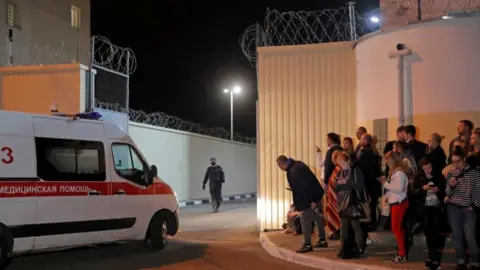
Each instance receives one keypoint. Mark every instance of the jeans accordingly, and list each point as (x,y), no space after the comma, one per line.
(216,194)
(307,218)
(357,231)
(463,223)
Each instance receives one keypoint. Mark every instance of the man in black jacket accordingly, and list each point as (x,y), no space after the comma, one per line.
(216,176)
(333,143)
(417,148)
(307,197)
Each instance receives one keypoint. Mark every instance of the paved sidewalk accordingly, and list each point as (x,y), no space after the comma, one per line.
(377,255)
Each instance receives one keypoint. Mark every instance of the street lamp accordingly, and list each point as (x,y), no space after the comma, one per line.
(235,90)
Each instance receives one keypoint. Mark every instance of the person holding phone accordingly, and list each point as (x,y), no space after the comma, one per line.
(463,195)
(396,186)
(428,190)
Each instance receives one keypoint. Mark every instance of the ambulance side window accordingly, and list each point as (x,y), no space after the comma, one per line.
(70,160)
(129,164)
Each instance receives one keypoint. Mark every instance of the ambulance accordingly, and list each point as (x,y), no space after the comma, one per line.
(67,181)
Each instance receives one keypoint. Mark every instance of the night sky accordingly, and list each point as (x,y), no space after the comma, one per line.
(188,52)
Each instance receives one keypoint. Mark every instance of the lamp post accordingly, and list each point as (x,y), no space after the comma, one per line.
(235,90)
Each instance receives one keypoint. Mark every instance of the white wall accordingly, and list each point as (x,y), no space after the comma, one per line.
(182,159)
(442,74)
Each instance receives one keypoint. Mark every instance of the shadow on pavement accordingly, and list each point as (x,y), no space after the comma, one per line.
(119,256)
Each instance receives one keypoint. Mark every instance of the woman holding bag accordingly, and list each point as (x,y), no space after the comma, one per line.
(349,183)
(397,186)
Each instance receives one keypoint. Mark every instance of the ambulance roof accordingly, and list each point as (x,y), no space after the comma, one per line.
(19,123)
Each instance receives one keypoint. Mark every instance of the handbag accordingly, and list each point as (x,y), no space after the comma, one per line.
(351,209)
(364,201)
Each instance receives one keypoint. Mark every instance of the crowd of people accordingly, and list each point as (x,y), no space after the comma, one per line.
(421,189)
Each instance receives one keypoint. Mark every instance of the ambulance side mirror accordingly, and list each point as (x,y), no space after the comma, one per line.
(153,174)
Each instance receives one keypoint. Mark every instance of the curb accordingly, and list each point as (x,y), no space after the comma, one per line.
(225,199)
(313,261)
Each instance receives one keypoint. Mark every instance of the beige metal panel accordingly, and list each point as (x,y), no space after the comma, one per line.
(33,88)
(304,93)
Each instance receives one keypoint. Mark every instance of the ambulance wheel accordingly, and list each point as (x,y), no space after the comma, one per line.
(158,230)
(6,247)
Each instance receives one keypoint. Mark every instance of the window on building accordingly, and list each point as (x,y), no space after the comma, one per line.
(76,17)
(70,160)
(380,131)
(11,14)
(129,164)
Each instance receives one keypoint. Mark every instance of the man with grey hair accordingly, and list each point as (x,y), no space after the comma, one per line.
(216,177)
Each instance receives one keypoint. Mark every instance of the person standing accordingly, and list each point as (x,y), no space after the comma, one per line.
(396,185)
(333,143)
(359,133)
(416,147)
(216,177)
(464,129)
(307,199)
(463,195)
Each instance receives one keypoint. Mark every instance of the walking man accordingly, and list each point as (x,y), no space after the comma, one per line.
(216,176)
(307,197)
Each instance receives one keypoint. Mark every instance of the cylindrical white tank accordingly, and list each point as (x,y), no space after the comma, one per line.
(441,76)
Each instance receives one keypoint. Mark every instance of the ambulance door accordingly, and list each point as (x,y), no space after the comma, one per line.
(133,197)
(73,196)
(18,181)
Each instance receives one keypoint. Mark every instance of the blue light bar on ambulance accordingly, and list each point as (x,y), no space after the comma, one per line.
(84,115)
(89,115)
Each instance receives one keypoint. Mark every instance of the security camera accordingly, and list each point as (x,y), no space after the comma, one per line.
(402,50)
(401,47)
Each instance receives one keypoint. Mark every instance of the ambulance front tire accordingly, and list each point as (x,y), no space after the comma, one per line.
(6,247)
(158,231)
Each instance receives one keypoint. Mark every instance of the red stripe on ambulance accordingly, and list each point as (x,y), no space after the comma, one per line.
(54,189)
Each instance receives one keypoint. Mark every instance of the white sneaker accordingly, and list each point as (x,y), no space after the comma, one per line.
(369,241)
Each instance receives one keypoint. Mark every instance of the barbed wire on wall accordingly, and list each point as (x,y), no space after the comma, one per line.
(304,27)
(105,54)
(161,119)
(112,57)
(333,25)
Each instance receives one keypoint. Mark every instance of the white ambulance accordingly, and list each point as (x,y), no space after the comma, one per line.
(67,183)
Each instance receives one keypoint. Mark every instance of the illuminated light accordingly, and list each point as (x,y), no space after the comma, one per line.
(374,19)
(237,89)
(226,91)
(447,17)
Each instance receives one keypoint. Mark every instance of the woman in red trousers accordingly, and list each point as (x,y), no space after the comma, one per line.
(396,187)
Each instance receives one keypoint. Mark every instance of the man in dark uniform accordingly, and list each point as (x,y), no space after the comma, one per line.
(216,176)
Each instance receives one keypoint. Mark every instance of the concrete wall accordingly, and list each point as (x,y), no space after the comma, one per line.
(43,32)
(304,93)
(182,159)
(441,76)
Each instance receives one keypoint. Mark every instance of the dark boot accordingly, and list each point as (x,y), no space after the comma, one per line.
(305,248)
(322,243)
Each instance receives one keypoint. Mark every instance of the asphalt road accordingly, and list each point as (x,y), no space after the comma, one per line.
(207,241)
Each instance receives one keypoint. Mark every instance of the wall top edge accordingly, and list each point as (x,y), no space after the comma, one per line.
(324,47)
(40,67)
(415,25)
(189,134)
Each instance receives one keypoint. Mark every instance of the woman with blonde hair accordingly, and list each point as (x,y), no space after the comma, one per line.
(396,186)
